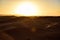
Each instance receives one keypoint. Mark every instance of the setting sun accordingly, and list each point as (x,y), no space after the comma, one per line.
(26,9)
(29,8)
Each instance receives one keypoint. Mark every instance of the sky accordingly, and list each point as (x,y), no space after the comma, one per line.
(46,7)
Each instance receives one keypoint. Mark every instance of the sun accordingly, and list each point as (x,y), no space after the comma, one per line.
(26,9)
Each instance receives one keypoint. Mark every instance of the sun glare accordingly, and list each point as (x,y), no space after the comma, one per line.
(26,9)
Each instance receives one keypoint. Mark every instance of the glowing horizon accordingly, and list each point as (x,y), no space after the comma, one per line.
(39,7)
(26,9)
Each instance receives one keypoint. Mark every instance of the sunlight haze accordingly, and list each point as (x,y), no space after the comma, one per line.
(30,7)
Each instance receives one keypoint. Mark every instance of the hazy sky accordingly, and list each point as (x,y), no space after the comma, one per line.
(48,7)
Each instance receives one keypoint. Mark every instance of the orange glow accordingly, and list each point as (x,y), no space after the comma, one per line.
(31,8)
(26,9)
